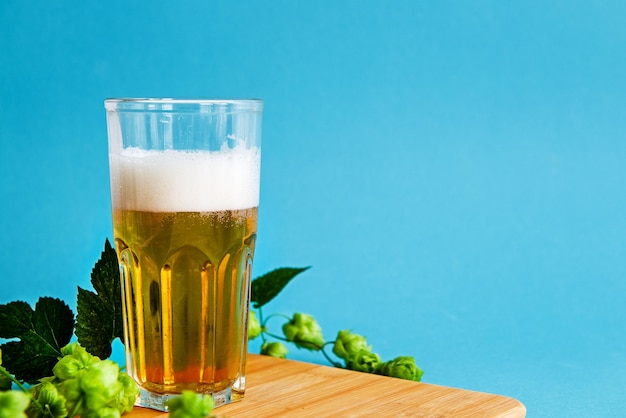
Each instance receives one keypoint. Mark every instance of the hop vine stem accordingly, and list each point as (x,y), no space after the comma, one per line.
(330,360)
(22,388)
(272,316)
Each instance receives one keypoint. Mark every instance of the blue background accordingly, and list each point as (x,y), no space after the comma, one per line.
(452,170)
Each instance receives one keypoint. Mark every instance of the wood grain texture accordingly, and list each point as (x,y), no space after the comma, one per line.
(287,388)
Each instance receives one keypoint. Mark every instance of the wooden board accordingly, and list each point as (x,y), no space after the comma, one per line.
(287,388)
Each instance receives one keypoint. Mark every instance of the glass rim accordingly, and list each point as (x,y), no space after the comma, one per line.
(161,104)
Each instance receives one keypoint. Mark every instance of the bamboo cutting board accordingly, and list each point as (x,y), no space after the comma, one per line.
(287,388)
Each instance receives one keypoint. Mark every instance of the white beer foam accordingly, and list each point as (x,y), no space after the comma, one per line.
(185,181)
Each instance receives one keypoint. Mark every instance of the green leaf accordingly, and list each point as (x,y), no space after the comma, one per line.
(266,287)
(99,319)
(41,333)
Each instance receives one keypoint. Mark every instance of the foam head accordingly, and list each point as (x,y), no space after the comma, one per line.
(185,181)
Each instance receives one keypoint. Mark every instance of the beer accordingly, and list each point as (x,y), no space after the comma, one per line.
(185,227)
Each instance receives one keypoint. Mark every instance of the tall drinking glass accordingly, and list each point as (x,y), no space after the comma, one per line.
(185,194)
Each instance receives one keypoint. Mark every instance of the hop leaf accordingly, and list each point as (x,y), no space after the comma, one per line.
(99,319)
(304,332)
(274,349)
(254,326)
(266,287)
(190,405)
(42,333)
(403,367)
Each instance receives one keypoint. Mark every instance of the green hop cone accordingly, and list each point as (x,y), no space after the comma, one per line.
(95,387)
(75,358)
(13,404)
(127,396)
(100,386)
(274,349)
(70,389)
(72,348)
(403,367)
(48,396)
(254,326)
(304,332)
(67,368)
(364,361)
(347,345)
(190,405)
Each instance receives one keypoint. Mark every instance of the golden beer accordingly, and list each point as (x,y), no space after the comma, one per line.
(186,279)
(185,227)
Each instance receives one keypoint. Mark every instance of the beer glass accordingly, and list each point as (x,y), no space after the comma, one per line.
(185,193)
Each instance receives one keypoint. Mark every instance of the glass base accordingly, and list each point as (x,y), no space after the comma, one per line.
(157,401)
